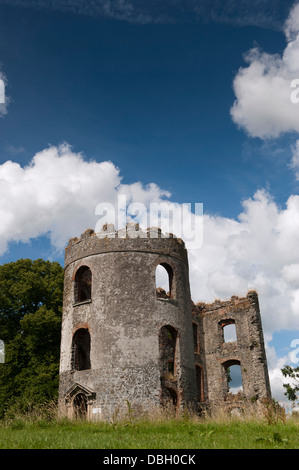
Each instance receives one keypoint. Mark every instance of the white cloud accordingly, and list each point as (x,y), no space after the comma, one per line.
(292,23)
(277,380)
(263,106)
(57,194)
(256,252)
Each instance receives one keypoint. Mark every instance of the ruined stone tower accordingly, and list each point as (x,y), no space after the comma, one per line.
(122,343)
(125,343)
(215,354)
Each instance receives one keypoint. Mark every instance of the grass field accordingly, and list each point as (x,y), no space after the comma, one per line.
(149,434)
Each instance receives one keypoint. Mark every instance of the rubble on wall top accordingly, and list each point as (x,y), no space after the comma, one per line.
(251,295)
(132,230)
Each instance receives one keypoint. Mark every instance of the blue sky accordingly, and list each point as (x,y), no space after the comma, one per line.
(151,88)
(154,99)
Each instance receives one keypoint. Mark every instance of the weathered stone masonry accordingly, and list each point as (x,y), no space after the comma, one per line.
(124,342)
(215,355)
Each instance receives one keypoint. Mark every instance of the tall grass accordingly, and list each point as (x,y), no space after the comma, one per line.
(39,427)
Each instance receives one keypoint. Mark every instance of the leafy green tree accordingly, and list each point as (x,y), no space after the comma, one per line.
(30,321)
(291,390)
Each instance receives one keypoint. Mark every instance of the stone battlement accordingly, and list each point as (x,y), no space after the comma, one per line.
(132,230)
(131,238)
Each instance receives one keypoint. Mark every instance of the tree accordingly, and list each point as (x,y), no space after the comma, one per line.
(30,321)
(291,390)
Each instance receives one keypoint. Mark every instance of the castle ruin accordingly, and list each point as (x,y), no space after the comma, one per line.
(126,343)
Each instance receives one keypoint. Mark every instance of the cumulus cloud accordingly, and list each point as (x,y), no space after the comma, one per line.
(257,251)
(277,380)
(263,105)
(57,193)
(292,24)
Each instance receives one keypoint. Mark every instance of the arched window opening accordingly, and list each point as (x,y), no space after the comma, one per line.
(2,352)
(228,331)
(164,281)
(83,284)
(81,350)
(234,377)
(167,352)
(195,337)
(199,383)
(80,406)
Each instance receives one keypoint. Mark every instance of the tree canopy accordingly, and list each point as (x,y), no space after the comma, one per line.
(292,390)
(31,294)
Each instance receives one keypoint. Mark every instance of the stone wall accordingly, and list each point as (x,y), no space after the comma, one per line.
(248,351)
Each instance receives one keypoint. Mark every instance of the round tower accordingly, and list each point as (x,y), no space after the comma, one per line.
(125,343)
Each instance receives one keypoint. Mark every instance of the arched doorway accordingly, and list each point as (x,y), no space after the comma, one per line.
(80,402)
(80,406)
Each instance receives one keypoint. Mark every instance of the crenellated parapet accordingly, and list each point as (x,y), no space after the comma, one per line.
(130,238)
